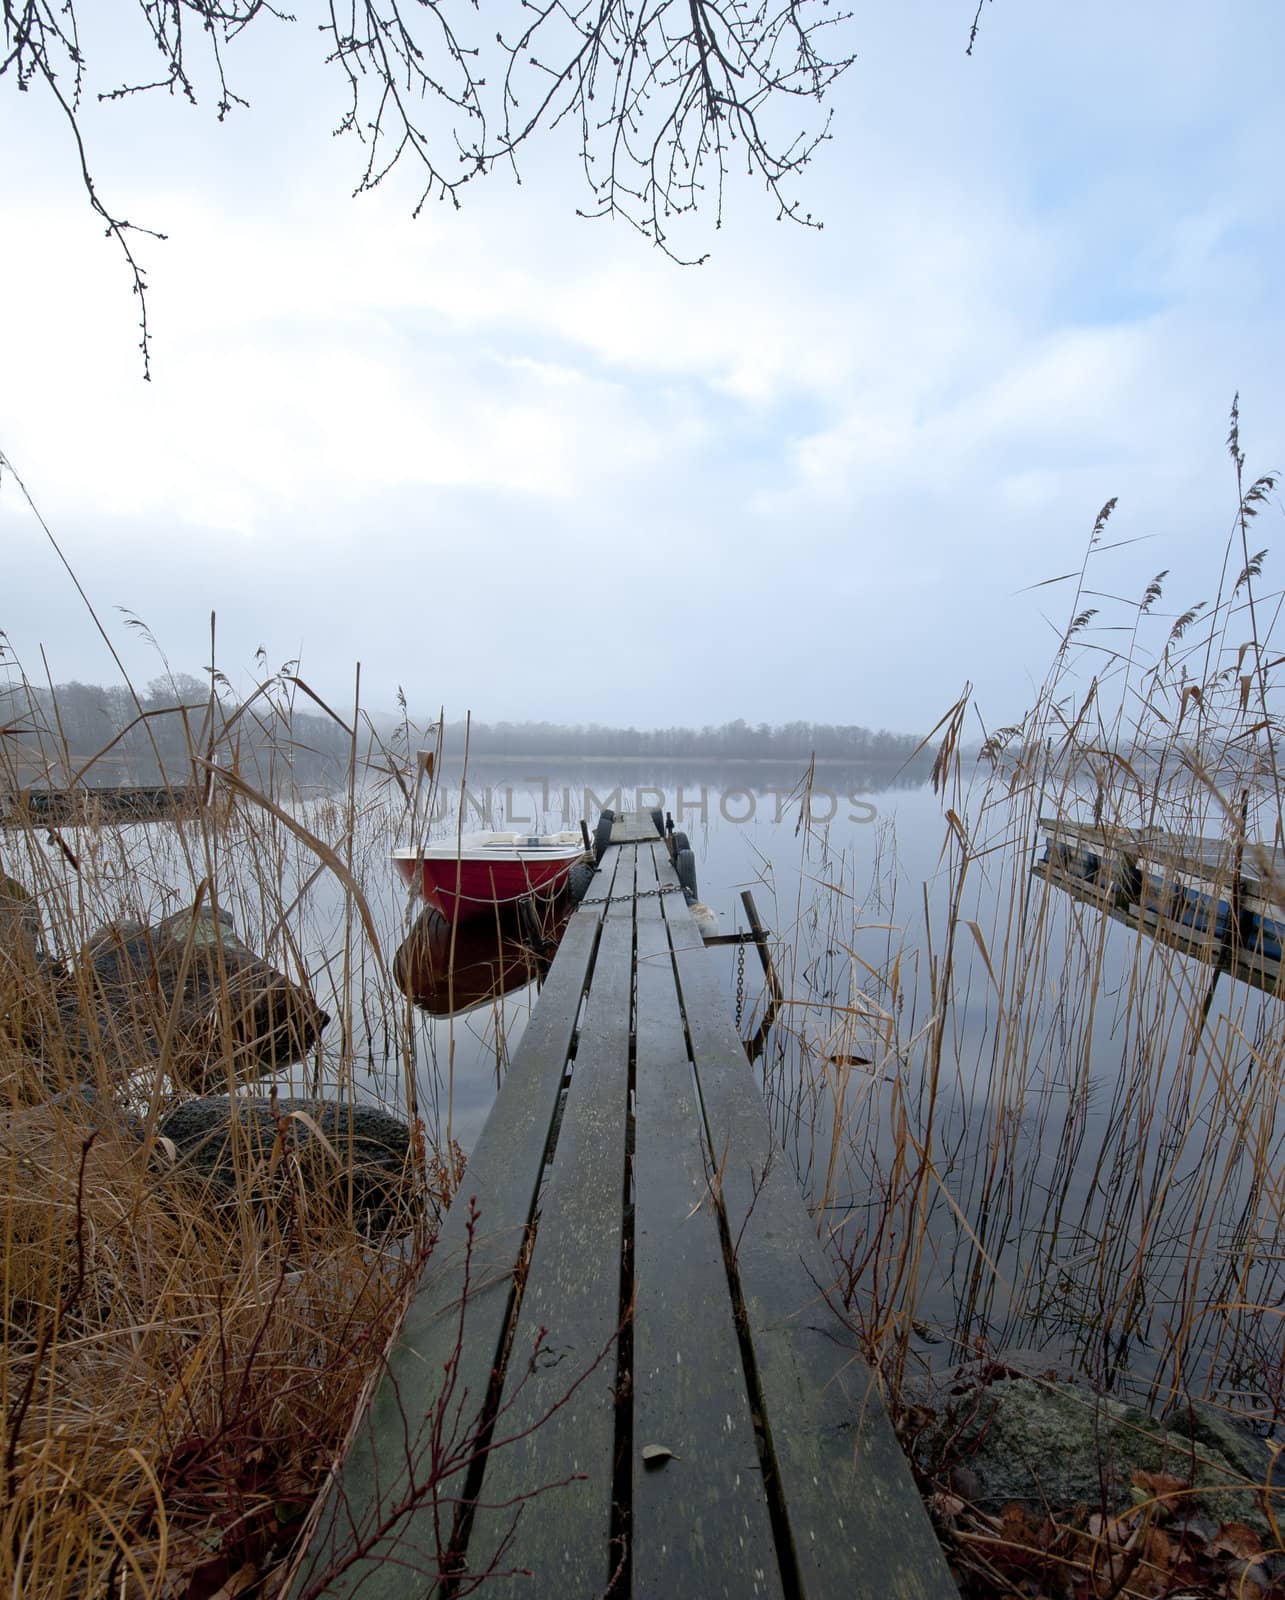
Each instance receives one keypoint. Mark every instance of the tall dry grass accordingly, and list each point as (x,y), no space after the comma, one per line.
(1019,1122)
(179,1361)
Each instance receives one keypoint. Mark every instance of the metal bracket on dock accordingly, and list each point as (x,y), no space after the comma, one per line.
(758,936)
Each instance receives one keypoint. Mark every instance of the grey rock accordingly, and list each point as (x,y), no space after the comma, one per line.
(190,990)
(100,1108)
(1051,1446)
(1214,1429)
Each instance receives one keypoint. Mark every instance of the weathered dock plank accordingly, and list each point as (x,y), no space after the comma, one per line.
(701,1524)
(549,1491)
(634,827)
(856,1523)
(378,1528)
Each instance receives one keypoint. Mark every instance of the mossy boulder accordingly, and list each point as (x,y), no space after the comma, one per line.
(187,991)
(1056,1447)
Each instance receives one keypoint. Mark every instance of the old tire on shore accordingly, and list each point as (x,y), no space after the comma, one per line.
(374,1151)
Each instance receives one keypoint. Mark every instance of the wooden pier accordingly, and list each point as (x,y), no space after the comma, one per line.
(39,807)
(621,1367)
(1137,876)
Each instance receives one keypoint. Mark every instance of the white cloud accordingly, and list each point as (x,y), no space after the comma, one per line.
(1034,289)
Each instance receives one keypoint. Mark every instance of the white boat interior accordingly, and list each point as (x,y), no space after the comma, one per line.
(508,845)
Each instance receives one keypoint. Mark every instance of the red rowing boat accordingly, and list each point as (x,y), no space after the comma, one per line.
(469,876)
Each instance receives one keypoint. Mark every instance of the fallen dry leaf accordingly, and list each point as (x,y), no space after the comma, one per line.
(1162,1551)
(1160,1485)
(1235,1539)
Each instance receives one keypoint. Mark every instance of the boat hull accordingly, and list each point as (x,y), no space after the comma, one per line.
(462,888)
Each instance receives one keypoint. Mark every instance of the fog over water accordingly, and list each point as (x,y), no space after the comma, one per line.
(863,886)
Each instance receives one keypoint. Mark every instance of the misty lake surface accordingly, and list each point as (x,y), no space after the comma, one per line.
(1055,1162)
(1022,1202)
(744,824)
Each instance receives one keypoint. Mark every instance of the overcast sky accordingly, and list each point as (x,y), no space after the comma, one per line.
(520,463)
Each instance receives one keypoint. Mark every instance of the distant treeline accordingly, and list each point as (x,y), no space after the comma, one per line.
(729,741)
(281,736)
(273,740)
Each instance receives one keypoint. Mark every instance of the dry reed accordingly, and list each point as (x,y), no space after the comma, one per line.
(1018,1121)
(179,1361)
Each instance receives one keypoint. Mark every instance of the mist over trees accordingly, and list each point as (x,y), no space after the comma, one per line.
(107,736)
(110,736)
(729,741)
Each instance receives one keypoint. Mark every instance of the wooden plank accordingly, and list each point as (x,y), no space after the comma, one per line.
(1116,835)
(1181,852)
(573,1292)
(634,827)
(1260,971)
(1104,897)
(857,1524)
(459,1315)
(701,1524)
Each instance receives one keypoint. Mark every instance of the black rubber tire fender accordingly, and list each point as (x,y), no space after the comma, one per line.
(578,881)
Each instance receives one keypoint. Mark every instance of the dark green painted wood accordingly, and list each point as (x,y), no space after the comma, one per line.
(501,1181)
(573,1292)
(858,1526)
(701,1524)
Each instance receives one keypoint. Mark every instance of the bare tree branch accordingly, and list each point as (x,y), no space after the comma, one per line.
(667,96)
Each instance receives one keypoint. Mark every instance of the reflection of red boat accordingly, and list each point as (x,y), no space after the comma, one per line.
(471,875)
(446,970)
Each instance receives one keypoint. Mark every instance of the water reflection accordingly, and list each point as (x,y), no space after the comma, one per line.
(448,969)
(1084,1168)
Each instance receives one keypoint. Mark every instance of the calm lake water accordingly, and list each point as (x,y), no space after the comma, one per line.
(744,824)
(1079,1141)
(1100,1178)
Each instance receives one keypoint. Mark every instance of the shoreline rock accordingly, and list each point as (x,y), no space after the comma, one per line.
(1056,1447)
